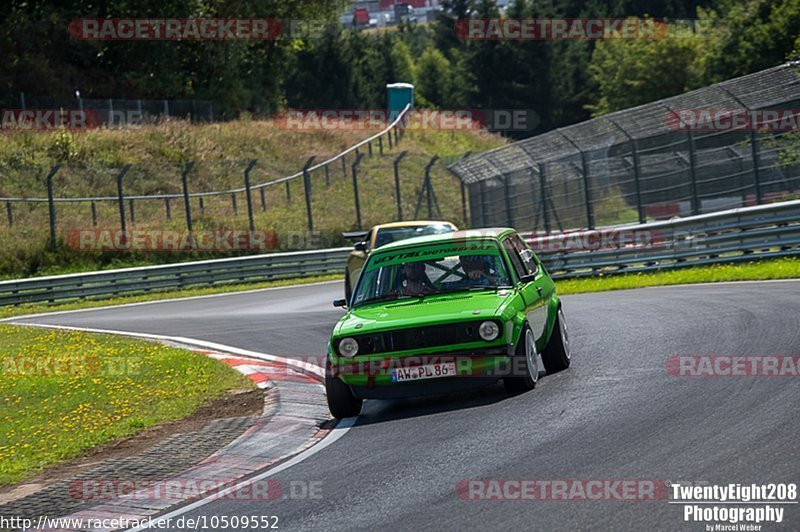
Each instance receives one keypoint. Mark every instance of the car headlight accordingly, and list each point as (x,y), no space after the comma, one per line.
(489,330)
(348,347)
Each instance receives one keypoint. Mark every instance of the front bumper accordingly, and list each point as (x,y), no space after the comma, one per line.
(373,378)
(423,387)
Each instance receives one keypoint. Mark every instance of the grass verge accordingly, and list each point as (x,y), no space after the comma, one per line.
(788,268)
(65,392)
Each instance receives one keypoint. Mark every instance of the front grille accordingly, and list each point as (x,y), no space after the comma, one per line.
(417,338)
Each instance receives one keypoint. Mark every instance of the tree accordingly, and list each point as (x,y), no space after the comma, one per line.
(633,72)
(402,62)
(433,78)
(750,35)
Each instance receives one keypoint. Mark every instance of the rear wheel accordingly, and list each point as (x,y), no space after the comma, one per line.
(526,362)
(556,356)
(341,401)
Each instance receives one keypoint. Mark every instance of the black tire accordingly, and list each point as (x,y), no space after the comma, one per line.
(528,369)
(348,291)
(556,356)
(341,401)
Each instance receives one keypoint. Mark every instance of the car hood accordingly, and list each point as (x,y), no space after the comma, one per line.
(431,310)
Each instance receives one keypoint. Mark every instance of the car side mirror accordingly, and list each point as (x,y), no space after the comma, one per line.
(528,278)
(340,303)
(360,246)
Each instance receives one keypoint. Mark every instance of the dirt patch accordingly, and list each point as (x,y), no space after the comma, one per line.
(237,403)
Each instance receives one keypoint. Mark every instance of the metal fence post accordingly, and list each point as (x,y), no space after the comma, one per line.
(693,175)
(464,202)
(327,176)
(307,192)
(397,193)
(464,194)
(169,210)
(355,189)
(482,192)
(507,195)
(390,139)
(637,182)
(248,194)
(344,166)
(186,203)
(369,148)
(52,205)
(94,214)
(133,212)
(263,192)
(587,193)
(756,163)
(201,202)
(380,145)
(543,198)
(121,201)
(9,214)
(429,189)
(288,192)
(233,204)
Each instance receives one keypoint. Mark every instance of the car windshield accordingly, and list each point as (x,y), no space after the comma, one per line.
(406,275)
(387,235)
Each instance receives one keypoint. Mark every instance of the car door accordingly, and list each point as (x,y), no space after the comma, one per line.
(357,257)
(533,284)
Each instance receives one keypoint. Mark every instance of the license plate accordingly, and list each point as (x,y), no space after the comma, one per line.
(429,371)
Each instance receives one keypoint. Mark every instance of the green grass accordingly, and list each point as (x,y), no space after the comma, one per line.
(788,268)
(66,392)
(35,308)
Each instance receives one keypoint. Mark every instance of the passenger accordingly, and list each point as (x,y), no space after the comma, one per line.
(416,280)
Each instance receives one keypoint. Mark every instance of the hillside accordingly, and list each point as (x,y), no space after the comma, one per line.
(220,152)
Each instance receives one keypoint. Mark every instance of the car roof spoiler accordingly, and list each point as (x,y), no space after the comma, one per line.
(355,235)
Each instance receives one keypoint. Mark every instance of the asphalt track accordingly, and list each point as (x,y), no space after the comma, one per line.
(615,414)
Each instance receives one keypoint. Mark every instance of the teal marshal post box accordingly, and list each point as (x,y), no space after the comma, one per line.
(399,95)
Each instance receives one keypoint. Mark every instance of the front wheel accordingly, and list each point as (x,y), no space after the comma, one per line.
(341,401)
(556,356)
(526,363)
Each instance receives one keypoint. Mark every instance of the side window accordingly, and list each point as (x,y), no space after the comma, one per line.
(368,240)
(516,262)
(525,254)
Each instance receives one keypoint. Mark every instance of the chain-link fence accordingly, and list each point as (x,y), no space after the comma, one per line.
(732,144)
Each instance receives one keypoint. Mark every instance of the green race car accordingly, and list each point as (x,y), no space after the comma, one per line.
(442,313)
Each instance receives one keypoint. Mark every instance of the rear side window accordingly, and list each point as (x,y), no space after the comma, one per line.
(516,261)
(525,254)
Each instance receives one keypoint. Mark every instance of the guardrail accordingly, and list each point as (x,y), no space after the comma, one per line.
(764,231)
(130,281)
(735,235)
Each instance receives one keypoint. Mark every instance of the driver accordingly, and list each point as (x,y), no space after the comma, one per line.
(476,271)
